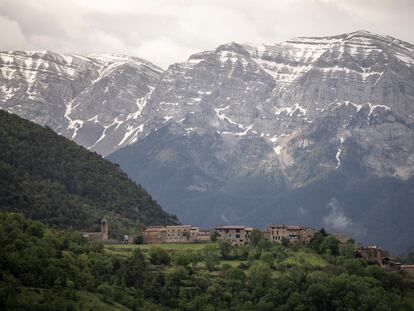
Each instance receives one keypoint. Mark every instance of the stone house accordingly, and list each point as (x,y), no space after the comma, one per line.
(194,232)
(102,235)
(180,234)
(373,254)
(154,235)
(128,239)
(294,234)
(237,235)
(307,235)
(175,234)
(203,236)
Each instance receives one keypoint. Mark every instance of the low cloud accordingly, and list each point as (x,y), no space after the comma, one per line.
(13,37)
(338,222)
(336,218)
(167,31)
(302,211)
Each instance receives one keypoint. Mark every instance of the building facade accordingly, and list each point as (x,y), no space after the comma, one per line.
(373,254)
(203,236)
(175,234)
(179,234)
(237,235)
(154,235)
(103,235)
(293,234)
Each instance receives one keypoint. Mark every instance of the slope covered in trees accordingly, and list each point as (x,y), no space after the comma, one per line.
(44,269)
(49,178)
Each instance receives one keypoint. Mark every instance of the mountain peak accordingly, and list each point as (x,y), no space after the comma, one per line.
(233,47)
(111,57)
(364,36)
(363,31)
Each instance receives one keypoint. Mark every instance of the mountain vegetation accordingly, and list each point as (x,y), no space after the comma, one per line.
(47,269)
(51,179)
(316,131)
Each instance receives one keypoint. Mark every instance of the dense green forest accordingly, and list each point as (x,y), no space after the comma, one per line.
(47,269)
(49,178)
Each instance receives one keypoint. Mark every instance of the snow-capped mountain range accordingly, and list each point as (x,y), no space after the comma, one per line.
(94,99)
(290,132)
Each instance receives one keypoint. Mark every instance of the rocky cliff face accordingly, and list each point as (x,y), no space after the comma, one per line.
(356,85)
(317,131)
(295,132)
(94,100)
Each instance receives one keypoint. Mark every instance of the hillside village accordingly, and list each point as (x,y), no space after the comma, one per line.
(236,235)
(239,235)
(277,233)
(207,155)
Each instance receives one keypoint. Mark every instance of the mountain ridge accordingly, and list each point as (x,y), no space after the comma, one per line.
(91,99)
(241,124)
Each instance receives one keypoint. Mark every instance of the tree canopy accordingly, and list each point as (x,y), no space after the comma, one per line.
(47,269)
(50,178)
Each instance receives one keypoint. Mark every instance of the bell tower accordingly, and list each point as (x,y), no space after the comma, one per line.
(104,229)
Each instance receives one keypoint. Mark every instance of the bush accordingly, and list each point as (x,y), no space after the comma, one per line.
(213,236)
(211,260)
(106,291)
(268,259)
(224,248)
(182,259)
(159,256)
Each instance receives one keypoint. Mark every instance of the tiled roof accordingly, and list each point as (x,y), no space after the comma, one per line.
(230,227)
(295,227)
(276,226)
(289,227)
(154,229)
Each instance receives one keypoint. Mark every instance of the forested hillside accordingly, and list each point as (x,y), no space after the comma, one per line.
(49,178)
(44,269)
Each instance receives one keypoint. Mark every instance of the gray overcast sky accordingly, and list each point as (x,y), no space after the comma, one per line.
(167,31)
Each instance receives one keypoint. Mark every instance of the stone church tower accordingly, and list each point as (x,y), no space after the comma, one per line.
(104,229)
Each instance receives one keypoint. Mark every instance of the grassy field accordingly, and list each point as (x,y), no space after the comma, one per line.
(233,263)
(299,257)
(302,257)
(86,300)
(91,301)
(174,246)
(126,249)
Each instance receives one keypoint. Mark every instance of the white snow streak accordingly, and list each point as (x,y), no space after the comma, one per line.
(339,152)
(131,130)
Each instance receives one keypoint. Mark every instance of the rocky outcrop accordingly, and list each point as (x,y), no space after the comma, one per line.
(96,100)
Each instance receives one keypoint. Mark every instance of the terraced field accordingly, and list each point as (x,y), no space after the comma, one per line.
(126,249)
(299,257)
